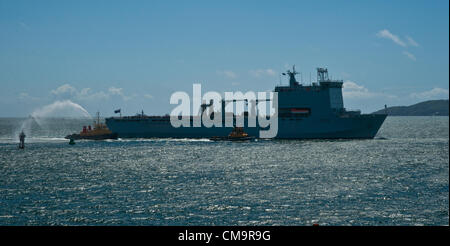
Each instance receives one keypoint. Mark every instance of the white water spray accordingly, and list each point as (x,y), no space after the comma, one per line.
(67,107)
(57,109)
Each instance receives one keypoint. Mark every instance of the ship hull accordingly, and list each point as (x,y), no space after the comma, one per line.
(351,127)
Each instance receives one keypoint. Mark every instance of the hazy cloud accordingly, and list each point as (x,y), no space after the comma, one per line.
(228,73)
(353,90)
(409,55)
(148,96)
(411,41)
(64,91)
(435,93)
(387,34)
(67,91)
(23,96)
(119,92)
(262,72)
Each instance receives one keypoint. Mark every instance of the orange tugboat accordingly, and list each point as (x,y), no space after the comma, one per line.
(237,134)
(99,132)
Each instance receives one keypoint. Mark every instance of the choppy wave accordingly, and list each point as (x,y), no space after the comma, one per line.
(33,140)
(161,140)
(400,179)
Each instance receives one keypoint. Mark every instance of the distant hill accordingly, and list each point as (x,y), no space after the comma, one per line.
(427,108)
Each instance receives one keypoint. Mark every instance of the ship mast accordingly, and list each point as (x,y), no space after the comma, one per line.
(97,124)
(292,81)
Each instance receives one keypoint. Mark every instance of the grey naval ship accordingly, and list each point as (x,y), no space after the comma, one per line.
(313,111)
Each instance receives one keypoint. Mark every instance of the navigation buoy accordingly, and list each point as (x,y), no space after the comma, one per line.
(22,140)
(72,142)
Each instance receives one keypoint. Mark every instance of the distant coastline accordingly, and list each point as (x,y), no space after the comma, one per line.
(427,108)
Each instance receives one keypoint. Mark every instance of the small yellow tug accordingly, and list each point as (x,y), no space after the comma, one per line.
(237,134)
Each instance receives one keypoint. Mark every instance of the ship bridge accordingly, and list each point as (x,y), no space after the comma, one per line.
(323,97)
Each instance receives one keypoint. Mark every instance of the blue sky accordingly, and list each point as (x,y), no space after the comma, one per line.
(133,55)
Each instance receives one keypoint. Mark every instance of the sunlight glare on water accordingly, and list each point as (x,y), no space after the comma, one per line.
(398,178)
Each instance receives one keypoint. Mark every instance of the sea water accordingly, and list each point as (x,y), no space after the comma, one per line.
(399,178)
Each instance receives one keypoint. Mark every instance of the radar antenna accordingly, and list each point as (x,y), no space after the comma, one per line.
(322,74)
